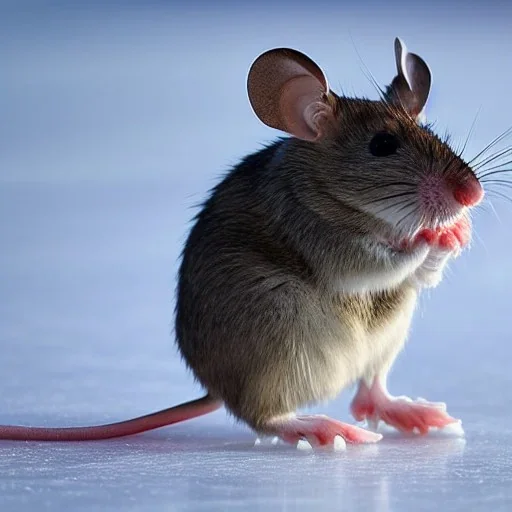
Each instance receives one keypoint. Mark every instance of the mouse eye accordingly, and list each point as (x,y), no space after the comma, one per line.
(383,144)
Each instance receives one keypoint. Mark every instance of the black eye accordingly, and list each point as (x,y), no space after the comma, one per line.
(383,144)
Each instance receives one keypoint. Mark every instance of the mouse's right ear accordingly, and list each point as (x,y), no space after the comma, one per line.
(289,92)
(411,86)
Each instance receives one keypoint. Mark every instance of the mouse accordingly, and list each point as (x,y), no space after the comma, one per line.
(302,271)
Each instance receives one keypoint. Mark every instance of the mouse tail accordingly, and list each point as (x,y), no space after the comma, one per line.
(182,412)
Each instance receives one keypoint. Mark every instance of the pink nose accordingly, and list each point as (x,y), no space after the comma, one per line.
(468,192)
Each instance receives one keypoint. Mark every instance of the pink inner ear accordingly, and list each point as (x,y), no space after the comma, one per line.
(300,107)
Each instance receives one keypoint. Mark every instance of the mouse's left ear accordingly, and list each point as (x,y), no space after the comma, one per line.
(411,86)
(289,91)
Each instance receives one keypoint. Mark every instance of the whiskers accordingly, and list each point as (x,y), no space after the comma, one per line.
(494,171)
(399,208)
(407,215)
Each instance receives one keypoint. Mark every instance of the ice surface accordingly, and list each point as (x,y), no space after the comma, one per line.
(114,122)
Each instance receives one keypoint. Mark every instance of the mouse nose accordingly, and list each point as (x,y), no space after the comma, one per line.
(468,192)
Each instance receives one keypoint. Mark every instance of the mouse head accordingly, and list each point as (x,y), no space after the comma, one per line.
(376,156)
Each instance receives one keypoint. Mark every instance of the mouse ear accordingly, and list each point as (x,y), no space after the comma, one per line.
(411,86)
(288,91)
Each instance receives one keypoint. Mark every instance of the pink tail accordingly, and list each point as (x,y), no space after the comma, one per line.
(158,419)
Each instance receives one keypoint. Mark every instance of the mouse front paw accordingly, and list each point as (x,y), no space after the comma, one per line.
(449,239)
(444,244)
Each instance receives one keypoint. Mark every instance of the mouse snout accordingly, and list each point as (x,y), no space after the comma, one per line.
(442,196)
(467,191)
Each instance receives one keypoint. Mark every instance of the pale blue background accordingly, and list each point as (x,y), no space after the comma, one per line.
(114,122)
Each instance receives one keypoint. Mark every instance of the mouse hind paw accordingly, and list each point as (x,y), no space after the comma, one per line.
(375,404)
(319,431)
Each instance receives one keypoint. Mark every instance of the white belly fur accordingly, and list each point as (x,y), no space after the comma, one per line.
(351,353)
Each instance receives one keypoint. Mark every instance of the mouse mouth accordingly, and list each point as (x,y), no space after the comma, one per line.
(442,219)
(435,222)
(435,219)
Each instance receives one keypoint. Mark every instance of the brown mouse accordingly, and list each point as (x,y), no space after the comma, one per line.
(301,273)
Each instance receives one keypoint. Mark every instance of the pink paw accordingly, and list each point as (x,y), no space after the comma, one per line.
(452,238)
(425,235)
(456,236)
(414,416)
(320,430)
(402,413)
(428,235)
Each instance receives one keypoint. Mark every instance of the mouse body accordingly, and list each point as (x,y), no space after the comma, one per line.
(302,271)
